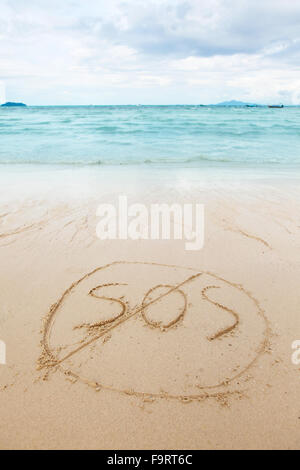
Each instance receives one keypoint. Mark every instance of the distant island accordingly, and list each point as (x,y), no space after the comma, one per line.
(235,103)
(11,104)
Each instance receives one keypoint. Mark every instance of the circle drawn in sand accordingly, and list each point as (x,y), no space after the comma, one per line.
(155,331)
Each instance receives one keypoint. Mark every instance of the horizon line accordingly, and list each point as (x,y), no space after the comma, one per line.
(158,104)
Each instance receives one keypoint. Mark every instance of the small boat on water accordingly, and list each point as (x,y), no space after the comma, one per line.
(276,106)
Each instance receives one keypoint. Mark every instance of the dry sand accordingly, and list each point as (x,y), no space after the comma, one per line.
(142,344)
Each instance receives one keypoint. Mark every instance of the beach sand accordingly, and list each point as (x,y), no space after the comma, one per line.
(124,344)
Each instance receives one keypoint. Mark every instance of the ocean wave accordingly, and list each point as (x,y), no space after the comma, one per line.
(123,136)
(193,161)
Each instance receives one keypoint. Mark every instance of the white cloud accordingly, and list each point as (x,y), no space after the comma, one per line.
(159,51)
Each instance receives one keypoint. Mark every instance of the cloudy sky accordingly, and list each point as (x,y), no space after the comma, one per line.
(149,51)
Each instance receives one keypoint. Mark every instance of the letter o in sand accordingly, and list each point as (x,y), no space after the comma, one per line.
(153,316)
(156,331)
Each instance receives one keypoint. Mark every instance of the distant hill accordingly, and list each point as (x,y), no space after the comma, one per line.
(10,104)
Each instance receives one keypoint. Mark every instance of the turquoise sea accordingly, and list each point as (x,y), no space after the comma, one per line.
(189,136)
